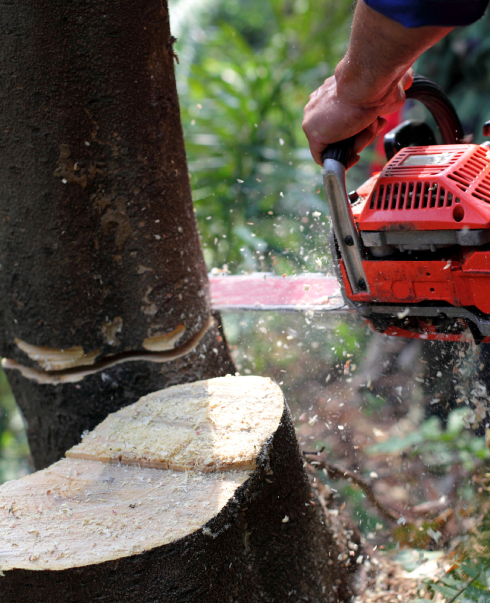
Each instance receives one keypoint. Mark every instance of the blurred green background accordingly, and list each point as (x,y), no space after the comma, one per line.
(14,451)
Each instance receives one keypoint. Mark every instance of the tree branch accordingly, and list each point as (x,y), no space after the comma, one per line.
(336,472)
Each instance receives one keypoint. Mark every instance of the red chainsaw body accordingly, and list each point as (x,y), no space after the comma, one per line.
(451,192)
(412,282)
(419,193)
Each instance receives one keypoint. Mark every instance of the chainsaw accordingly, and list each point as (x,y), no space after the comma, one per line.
(411,246)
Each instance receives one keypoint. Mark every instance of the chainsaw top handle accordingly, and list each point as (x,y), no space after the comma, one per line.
(433,98)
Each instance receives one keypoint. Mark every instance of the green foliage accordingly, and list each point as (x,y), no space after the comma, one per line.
(469,582)
(242,92)
(14,451)
(439,448)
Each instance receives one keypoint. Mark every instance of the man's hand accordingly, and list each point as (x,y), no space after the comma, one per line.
(369,81)
(336,112)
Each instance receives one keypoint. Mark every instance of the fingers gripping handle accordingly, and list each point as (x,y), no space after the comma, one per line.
(434,99)
(340,151)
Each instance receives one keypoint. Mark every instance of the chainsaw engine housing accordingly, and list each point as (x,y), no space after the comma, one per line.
(424,222)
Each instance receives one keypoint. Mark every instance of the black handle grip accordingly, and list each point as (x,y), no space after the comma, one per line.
(434,99)
(437,102)
(340,151)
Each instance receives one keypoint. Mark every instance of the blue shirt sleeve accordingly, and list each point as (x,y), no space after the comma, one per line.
(416,13)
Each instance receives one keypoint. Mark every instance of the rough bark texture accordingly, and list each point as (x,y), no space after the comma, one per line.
(99,250)
(98,241)
(246,554)
(58,414)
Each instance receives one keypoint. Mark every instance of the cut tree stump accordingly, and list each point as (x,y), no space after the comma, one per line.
(196,493)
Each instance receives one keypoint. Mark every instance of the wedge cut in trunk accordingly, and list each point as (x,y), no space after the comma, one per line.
(196,493)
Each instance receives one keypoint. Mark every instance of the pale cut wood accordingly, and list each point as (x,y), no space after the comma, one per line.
(59,407)
(78,512)
(219,424)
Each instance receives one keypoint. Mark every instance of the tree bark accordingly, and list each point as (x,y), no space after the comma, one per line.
(99,250)
(61,406)
(240,525)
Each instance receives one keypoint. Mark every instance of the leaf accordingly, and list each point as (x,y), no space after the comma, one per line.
(396,445)
(471,570)
(431,429)
(456,420)
(444,590)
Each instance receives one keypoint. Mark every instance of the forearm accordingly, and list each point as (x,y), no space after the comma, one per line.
(379,54)
(369,81)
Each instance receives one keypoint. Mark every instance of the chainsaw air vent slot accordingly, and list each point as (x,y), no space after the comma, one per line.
(373,198)
(403,192)
(379,194)
(441,194)
(411,195)
(469,172)
(416,198)
(387,197)
(396,190)
(425,193)
(482,191)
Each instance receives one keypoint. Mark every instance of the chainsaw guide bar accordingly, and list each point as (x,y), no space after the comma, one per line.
(266,291)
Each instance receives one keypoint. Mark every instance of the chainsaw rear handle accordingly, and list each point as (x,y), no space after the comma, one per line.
(340,151)
(437,103)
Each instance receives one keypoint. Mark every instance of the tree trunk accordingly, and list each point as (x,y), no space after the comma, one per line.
(225,514)
(99,251)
